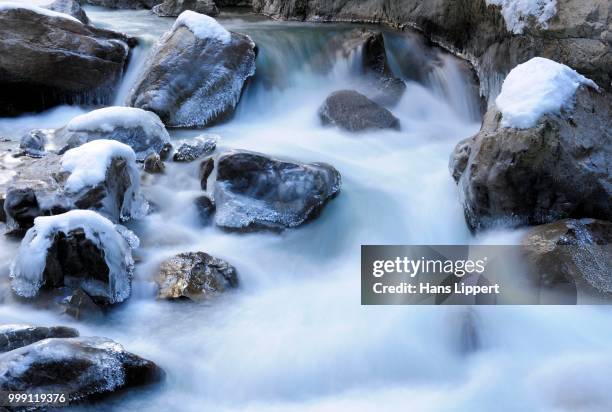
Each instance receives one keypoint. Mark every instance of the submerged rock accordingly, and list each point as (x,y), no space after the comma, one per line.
(17,336)
(556,169)
(192,149)
(70,7)
(125,4)
(205,208)
(194,275)
(196,73)
(572,256)
(172,8)
(77,249)
(253,191)
(49,58)
(83,368)
(153,164)
(354,112)
(100,175)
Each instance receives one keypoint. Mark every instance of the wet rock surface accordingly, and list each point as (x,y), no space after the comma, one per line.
(354,112)
(194,275)
(70,7)
(19,335)
(153,164)
(206,168)
(172,8)
(253,191)
(205,208)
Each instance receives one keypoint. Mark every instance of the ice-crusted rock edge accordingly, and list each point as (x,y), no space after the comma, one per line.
(517,13)
(536,88)
(40,10)
(115,241)
(202,26)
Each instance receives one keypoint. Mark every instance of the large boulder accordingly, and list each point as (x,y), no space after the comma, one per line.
(18,335)
(542,154)
(253,191)
(572,257)
(354,112)
(125,4)
(194,275)
(196,73)
(77,249)
(84,368)
(70,7)
(101,175)
(48,58)
(172,8)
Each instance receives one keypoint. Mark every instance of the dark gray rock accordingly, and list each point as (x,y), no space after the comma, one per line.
(153,164)
(85,368)
(172,8)
(125,4)
(194,148)
(17,336)
(558,169)
(70,7)
(206,168)
(80,306)
(354,112)
(205,208)
(46,60)
(253,191)
(194,275)
(33,143)
(192,81)
(572,256)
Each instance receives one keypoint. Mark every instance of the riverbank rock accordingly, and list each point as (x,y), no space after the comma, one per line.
(101,175)
(194,275)
(19,335)
(77,249)
(83,368)
(49,58)
(172,8)
(253,191)
(572,256)
(70,7)
(354,112)
(125,4)
(196,74)
(194,148)
(543,153)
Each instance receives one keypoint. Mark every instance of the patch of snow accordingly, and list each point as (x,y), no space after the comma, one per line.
(28,267)
(535,88)
(50,13)
(110,118)
(517,13)
(202,26)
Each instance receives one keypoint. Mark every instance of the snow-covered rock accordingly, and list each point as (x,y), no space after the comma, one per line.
(101,175)
(48,58)
(196,73)
(13,336)
(194,275)
(78,249)
(517,13)
(191,149)
(253,191)
(354,112)
(81,367)
(173,8)
(558,168)
(535,88)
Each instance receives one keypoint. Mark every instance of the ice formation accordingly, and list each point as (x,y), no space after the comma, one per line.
(50,13)
(517,13)
(110,118)
(535,88)
(202,26)
(28,267)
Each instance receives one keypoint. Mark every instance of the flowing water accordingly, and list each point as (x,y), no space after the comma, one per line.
(293,336)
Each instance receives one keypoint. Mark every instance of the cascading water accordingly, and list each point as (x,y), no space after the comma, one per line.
(293,336)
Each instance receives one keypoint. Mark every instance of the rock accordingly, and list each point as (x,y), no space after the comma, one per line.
(17,336)
(194,275)
(192,149)
(206,169)
(125,4)
(84,368)
(70,7)
(153,164)
(253,191)
(33,143)
(46,60)
(354,112)
(77,249)
(172,8)
(79,305)
(558,169)
(55,184)
(572,256)
(196,74)
(205,208)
